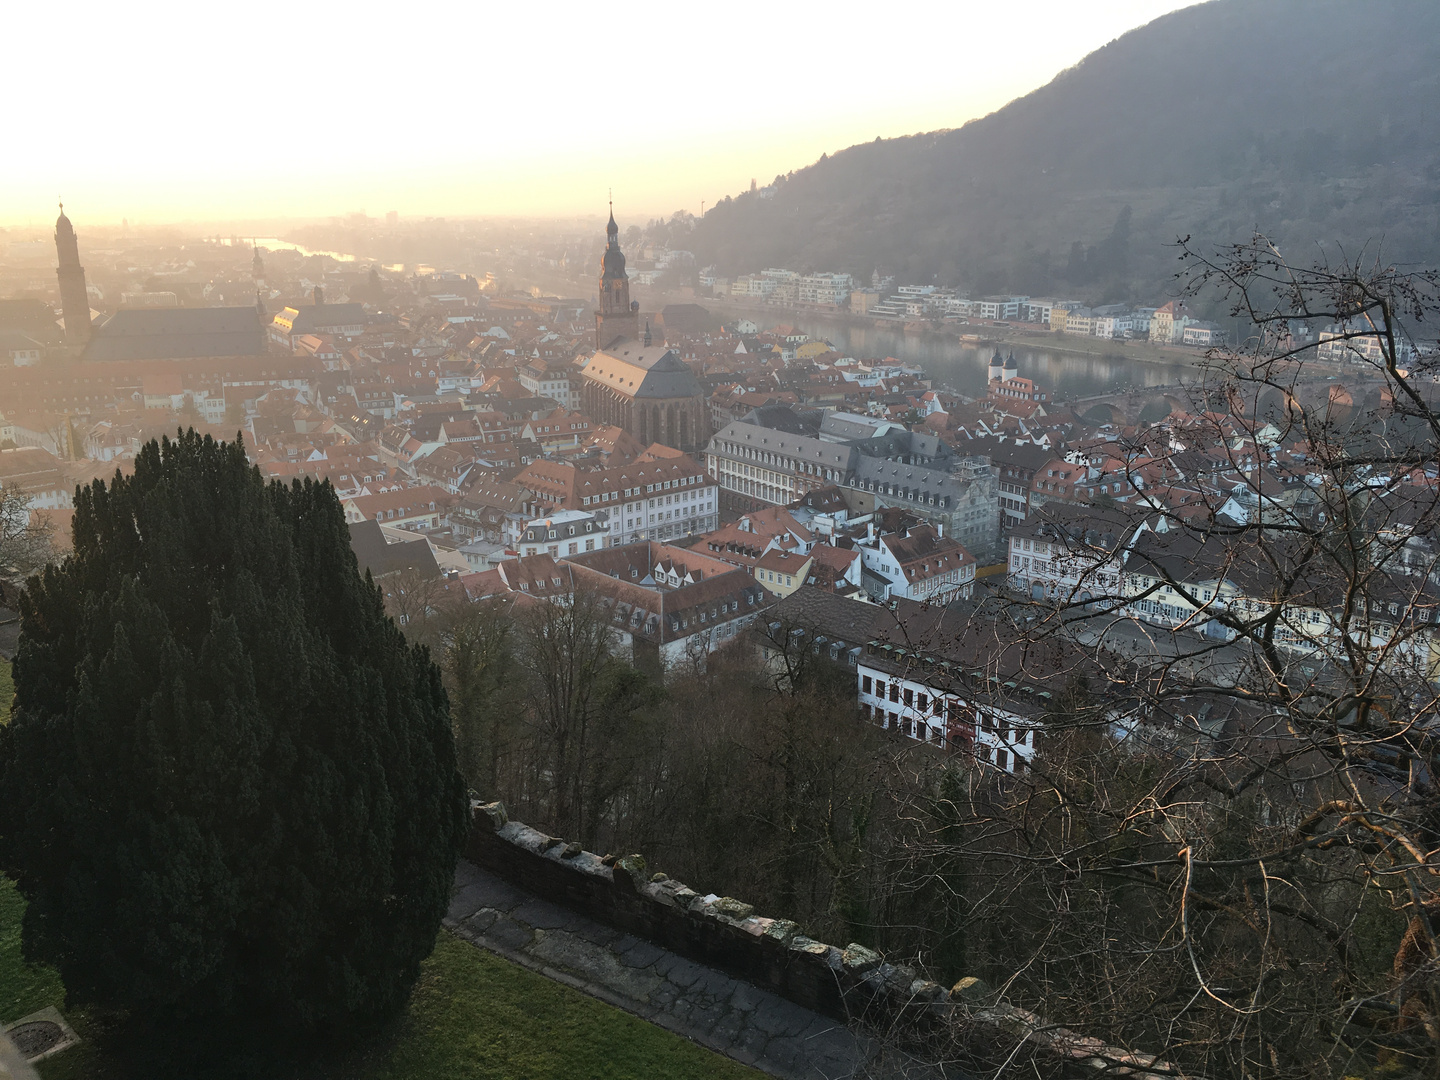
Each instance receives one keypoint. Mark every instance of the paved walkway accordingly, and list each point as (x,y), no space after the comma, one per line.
(725,1014)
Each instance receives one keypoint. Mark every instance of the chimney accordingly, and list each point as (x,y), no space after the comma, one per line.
(939,530)
(319,296)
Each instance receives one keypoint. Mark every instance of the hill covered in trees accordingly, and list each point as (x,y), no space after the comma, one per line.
(1312,120)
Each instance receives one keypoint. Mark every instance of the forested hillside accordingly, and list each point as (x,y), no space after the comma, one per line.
(1314,120)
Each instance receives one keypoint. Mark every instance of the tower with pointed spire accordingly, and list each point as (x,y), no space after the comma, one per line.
(616,318)
(257,268)
(74,299)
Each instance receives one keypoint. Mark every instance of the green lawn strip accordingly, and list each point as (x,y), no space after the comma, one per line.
(474,1016)
(24,988)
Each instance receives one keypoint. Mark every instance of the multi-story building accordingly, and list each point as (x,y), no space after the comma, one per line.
(332,320)
(670,606)
(1073,554)
(1015,465)
(776,467)
(921,563)
(423,507)
(1162,322)
(999,307)
(1202,334)
(570,532)
(551,379)
(962,495)
(824,288)
(1117,325)
(653,498)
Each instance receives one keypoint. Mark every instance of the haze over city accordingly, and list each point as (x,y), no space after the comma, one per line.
(291,110)
(811,542)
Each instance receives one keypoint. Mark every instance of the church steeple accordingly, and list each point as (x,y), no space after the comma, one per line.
(74,298)
(617,317)
(257,267)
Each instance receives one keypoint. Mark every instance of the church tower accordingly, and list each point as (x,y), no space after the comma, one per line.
(257,268)
(74,300)
(617,317)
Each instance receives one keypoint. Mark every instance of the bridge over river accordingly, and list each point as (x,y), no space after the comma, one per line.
(1341,395)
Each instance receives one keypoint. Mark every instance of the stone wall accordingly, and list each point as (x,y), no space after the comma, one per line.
(853,983)
(714,930)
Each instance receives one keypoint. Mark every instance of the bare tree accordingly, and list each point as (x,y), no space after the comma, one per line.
(487,690)
(25,541)
(1228,853)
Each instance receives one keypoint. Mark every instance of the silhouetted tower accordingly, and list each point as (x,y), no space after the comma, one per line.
(74,300)
(617,317)
(257,268)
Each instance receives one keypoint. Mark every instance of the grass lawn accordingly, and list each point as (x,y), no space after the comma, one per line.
(473,1016)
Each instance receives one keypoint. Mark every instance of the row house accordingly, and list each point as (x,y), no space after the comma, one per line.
(423,507)
(655,497)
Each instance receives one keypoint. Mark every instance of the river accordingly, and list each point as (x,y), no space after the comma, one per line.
(272,243)
(961,367)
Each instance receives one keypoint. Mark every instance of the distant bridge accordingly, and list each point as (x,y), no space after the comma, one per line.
(1136,404)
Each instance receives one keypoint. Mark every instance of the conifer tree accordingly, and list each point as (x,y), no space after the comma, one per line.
(228,788)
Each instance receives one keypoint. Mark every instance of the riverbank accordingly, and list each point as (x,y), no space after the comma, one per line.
(963,334)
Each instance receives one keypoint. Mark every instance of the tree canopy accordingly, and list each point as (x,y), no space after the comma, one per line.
(228,787)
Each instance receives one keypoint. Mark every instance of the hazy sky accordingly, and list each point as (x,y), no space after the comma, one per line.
(163,112)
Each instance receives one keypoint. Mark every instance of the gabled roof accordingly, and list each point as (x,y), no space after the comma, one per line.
(174,333)
(381,558)
(643,371)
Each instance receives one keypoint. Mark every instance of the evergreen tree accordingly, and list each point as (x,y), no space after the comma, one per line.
(228,789)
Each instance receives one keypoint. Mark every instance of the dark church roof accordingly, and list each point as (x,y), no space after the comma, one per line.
(176,333)
(382,558)
(643,371)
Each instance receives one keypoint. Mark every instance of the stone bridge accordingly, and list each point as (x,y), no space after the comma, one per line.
(1132,405)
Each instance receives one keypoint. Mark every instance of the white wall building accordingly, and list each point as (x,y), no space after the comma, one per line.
(894,693)
(568,532)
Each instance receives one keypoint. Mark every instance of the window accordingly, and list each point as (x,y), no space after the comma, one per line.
(865,684)
(895,691)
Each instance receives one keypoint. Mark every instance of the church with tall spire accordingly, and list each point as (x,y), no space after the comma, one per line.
(631,382)
(74,297)
(617,318)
